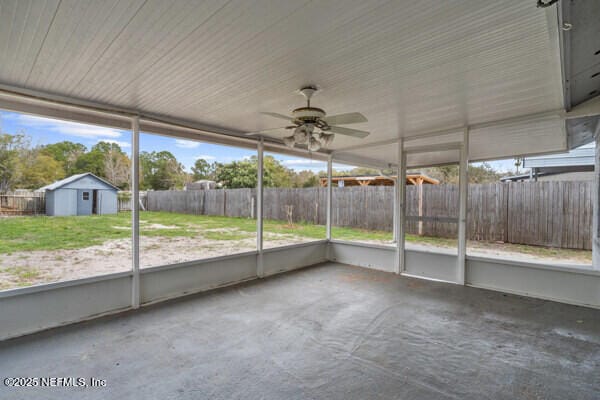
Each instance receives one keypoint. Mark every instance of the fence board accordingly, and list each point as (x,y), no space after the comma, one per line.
(22,203)
(557,214)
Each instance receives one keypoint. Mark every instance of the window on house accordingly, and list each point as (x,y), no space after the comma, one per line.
(86,195)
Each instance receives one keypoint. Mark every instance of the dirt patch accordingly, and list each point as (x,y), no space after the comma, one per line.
(160,226)
(36,267)
(503,252)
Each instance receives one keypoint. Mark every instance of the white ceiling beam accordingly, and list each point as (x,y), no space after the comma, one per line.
(433,148)
(352,159)
(589,108)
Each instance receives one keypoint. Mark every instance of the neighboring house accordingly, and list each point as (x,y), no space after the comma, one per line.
(576,165)
(83,194)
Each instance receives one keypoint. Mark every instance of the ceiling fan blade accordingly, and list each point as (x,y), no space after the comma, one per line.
(344,119)
(348,132)
(274,131)
(275,115)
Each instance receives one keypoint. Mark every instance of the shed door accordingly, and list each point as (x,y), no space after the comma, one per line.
(99,196)
(84,202)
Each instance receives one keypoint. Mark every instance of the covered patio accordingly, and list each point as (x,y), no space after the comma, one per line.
(439,83)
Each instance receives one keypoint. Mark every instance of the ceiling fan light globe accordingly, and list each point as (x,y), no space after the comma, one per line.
(313,144)
(301,135)
(289,141)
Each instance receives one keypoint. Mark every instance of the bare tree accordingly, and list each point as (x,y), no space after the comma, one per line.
(117,167)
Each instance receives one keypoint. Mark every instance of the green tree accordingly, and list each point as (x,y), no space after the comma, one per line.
(275,173)
(243,173)
(203,170)
(305,179)
(92,161)
(483,173)
(11,149)
(106,160)
(66,153)
(161,171)
(37,169)
(237,174)
(356,171)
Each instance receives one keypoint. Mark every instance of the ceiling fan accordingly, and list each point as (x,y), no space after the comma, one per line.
(312,127)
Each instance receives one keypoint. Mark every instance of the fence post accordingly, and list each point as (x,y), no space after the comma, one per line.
(463,187)
(259,211)
(135,211)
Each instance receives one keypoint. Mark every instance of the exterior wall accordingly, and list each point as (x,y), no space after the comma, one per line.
(67,200)
(569,176)
(107,202)
(63,203)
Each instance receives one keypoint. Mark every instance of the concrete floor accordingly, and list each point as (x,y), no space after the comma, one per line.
(326,332)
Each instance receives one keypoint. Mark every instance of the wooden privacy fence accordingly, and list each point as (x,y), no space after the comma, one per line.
(557,214)
(22,203)
(125,203)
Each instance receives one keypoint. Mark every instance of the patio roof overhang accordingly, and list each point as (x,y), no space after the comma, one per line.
(417,70)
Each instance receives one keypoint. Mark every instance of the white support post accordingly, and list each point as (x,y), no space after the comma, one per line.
(135,211)
(463,192)
(396,208)
(400,209)
(596,206)
(329,196)
(259,211)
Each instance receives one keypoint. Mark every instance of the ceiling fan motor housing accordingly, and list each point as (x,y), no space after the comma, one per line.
(310,115)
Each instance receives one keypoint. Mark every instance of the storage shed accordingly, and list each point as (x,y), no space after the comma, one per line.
(81,194)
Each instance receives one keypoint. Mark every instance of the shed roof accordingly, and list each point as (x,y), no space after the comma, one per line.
(71,179)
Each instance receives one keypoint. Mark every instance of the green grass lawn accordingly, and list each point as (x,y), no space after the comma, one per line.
(54,233)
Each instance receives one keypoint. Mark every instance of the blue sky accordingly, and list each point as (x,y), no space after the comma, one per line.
(45,131)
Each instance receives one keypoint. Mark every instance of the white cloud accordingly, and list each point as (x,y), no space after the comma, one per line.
(206,157)
(118,142)
(67,127)
(186,144)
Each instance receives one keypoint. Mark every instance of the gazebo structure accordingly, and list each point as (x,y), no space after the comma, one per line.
(440,82)
(378,180)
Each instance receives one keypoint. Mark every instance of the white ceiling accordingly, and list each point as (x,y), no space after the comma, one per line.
(409,66)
